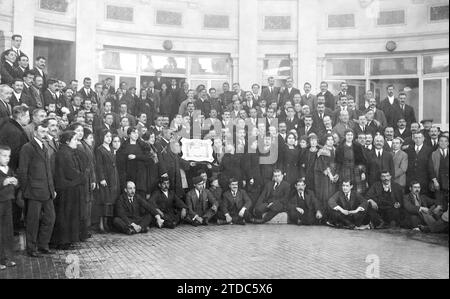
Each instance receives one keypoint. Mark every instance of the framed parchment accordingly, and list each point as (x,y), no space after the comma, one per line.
(197,150)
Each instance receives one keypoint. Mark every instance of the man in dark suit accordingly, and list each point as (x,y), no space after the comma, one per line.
(348,209)
(389,138)
(402,131)
(19,97)
(271,94)
(8,72)
(202,206)
(433,141)
(362,127)
(378,160)
(23,67)
(292,122)
(385,200)
(169,206)
(249,102)
(319,113)
(39,70)
(406,111)
(87,92)
(288,93)
(304,208)
(203,104)
(327,95)
(36,92)
(50,95)
(343,92)
(5,97)
(235,205)
(16,41)
(308,128)
(36,182)
(133,214)
(418,159)
(391,108)
(420,210)
(273,199)
(308,98)
(158,81)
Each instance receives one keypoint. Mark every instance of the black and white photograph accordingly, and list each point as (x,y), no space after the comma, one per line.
(226,140)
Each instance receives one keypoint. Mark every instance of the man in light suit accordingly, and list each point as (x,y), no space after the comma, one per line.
(235,206)
(400,162)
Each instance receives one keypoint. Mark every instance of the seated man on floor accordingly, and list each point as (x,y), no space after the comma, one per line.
(168,205)
(235,206)
(202,206)
(273,200)
(348,209)
(304,208)
(384,202)
(133,213)
(421,210)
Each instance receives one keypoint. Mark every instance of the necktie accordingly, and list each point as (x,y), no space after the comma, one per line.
(275,186)
(417,149)
(416,200)
(301,197)
(130,199)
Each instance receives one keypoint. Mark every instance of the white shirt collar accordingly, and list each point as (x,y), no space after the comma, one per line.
(39,142)
(18,95)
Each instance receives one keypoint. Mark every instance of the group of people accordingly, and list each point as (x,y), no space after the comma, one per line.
(78,160)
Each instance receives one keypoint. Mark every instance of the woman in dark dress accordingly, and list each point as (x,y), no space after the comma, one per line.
(325,175)
(290,159)
(310,157)
(70,178)
(152,165)
(87,146)
(108,179)
(131,162)
(351,161)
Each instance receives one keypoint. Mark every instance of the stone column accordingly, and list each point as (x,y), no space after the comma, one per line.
(248,43)
(86,65)
(23,24)
(307,43)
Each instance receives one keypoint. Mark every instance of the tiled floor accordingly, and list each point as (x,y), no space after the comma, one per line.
(264,251)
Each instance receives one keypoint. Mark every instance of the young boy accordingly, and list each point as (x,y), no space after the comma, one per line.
(8,184)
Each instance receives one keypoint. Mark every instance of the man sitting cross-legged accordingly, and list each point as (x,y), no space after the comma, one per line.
(304,208)
(384,202)
(202,206)
(133,213)
(273,199)
(348,209)
(235,206)
(168,205)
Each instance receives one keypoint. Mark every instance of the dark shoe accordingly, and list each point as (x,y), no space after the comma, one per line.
(205,222)
(382,225)
(240,222)
(10,264)
(130,232)
(144,230)
(33,254)
(46,251)
(257,221)
(64,247)
(169,224)
(424,229)
(221,222)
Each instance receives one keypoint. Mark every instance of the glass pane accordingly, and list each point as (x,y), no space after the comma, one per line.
(438,13)
(345,67)
(391,17)
(277,22)
(119,13)
(279,67)
(167,64)
(432,99)
(218,85)
(102,78)
(212,66)
(216,21)
(125,62)
(394,66)
(168,17)
(341,21)
(54,5)
(409,86)
(356,88)
(435,64)
(131,81)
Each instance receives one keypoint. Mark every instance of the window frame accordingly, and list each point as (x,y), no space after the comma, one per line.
(338,14)
(118,21)
(429,13)
(405,22)
(276,30)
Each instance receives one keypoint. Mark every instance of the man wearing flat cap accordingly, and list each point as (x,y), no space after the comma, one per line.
(202,206)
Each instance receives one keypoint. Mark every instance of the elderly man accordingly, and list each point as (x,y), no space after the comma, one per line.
(348,209)
(304,208)
(235,205)
(384,199)
(377,160)
(202,206)
(343,125)
(133,213)
(5,106)
(273,199)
